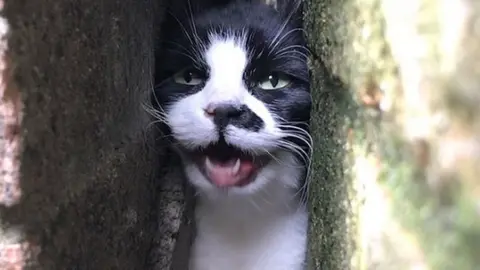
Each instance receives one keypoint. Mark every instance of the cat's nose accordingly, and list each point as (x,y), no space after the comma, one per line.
(223,114)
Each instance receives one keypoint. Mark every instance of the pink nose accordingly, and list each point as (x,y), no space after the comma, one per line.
(210,109)
(223,114)
(225,110)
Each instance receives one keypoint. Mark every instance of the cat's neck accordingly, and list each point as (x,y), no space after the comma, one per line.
(263,230)
(274,199)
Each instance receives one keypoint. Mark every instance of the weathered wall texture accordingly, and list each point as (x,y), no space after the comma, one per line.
(413,68)
(330,228)
(77,72)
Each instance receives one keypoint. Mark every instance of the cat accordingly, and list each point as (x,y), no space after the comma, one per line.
(233,95)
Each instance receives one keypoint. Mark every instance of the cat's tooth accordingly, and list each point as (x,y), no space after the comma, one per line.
(236,167)
(208,164)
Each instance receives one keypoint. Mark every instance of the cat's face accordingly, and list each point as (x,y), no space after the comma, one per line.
(235,98)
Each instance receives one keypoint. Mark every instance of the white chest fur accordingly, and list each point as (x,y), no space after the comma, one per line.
(260,232)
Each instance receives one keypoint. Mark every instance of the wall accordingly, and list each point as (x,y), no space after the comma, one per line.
(410,176)
(330,190)
(77,187)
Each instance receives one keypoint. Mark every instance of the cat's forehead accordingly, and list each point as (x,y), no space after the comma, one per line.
(263,41)
(226,53)
(257,25)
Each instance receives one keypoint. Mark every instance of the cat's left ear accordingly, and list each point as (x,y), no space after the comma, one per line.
(291,10)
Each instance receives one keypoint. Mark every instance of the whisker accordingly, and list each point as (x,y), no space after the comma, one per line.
(303,136)
(285,23)
(279,161)
(194,28)
(188,55)
(196,54)
(286,55)
(278,42)
(292,47)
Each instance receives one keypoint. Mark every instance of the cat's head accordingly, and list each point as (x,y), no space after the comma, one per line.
(234,95)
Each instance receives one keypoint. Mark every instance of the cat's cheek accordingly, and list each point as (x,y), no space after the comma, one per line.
(266,139)
(261,110)
(197,178)
(188,123)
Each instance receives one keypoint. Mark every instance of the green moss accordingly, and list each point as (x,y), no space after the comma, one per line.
(347,38)
(329,241)
(333,111)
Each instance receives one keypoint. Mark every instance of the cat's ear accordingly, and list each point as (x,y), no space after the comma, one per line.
(291,10)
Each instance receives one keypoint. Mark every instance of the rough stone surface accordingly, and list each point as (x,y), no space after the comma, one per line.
(412,66)
(86,168)
(330,242)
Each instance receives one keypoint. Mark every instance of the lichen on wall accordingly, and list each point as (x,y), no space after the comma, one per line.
(411,66)
(330,239)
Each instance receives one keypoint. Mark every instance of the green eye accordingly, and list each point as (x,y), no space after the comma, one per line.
(274,81)
(188,77)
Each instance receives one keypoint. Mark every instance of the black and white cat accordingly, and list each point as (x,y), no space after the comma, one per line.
(234,97)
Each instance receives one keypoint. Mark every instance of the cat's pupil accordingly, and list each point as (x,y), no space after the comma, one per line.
(273,78)
(188,76)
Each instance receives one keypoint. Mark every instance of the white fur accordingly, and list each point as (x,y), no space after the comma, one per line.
(257,227)
(261,230)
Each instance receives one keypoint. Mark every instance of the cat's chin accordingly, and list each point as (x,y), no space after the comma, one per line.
(226,166)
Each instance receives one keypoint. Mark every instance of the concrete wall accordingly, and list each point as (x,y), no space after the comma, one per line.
(77,189)
(409,186)
(330,235)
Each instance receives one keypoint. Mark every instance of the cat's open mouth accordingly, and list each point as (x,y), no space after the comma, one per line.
(227,166)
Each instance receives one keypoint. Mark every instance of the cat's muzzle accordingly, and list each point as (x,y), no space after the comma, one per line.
(226,166)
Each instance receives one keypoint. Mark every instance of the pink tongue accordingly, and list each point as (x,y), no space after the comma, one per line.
(221,174)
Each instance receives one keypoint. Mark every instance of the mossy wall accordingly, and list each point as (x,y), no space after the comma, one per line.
(78,189)
(330,191)
(412,143)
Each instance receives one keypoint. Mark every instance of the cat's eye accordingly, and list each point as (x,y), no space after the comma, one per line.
(188,77)
(274,80)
